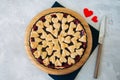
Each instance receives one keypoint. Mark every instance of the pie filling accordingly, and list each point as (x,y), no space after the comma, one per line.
(58,40)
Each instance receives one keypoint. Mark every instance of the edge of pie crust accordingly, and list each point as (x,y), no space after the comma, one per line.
(59,71)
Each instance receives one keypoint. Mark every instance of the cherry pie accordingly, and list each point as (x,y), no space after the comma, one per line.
(58,39)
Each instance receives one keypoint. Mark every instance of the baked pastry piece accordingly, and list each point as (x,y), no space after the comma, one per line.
(58,39)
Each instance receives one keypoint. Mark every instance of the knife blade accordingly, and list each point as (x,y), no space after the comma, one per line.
(102,30)
(100,41)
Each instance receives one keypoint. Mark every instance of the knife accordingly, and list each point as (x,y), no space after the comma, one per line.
(100,41)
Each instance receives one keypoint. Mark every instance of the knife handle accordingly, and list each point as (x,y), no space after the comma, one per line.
(98,61)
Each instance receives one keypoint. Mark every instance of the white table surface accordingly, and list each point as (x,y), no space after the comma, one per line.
(15,15)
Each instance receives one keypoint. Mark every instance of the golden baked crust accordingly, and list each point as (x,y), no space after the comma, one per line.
(58,39)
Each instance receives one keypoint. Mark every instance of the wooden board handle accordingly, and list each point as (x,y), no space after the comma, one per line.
(98,61)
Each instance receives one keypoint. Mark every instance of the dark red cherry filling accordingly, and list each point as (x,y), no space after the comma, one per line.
(54,15)
(43,19)
(32,39)
(33,50)
(51,65)
(84,45)
(65,65)
(40,60)
(82,32)
(76,21)
(65,15)
(77,58)
(35,28)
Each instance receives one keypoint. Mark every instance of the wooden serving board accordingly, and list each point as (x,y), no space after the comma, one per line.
(75,66)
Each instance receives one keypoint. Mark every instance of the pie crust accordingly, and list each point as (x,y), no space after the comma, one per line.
(58,41)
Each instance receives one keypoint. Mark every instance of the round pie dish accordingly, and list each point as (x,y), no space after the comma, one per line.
(58,41)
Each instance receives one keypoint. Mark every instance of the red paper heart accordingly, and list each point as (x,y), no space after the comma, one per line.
(87,12)
(94,19)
